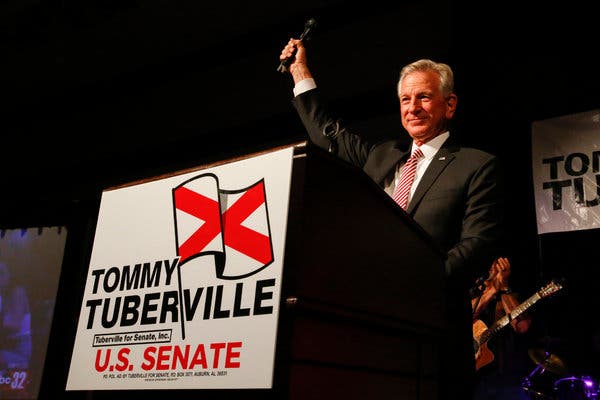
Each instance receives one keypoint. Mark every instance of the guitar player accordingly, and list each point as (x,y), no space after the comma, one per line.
(492,299)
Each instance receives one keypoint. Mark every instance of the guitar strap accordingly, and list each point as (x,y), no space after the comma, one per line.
(476,304)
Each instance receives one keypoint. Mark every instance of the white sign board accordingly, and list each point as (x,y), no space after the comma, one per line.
(566,172)
(183,288)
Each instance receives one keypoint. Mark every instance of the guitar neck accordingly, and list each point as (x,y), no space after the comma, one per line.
(505,320)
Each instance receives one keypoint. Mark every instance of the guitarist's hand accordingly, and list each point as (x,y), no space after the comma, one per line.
(501,268)
(499,274)
(496,282)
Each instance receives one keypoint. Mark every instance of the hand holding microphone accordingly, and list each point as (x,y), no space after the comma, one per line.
(289,52)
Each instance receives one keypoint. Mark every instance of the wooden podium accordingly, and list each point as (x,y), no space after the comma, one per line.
(363,288)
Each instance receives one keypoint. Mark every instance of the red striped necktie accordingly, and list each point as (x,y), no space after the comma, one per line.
(406,179)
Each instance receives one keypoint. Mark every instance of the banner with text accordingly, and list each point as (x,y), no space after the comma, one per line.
(184,281)
(566,172)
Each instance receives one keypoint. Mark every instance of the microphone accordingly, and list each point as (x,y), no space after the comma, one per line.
(477,288)
(308,27)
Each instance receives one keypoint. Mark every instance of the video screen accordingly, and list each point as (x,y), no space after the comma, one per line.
(30,264)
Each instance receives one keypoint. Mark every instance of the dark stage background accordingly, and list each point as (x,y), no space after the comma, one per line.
(100,93)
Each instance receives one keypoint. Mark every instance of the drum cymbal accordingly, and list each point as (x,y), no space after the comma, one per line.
(547,360)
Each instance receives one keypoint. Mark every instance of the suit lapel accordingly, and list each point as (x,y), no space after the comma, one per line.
(441,159)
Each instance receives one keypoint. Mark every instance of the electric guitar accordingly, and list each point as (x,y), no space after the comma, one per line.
(482,334)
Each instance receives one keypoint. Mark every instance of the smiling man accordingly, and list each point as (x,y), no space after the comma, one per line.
(452,191)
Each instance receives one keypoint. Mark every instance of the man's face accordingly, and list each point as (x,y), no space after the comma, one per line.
(423,108)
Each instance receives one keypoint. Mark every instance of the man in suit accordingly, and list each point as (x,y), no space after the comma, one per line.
(455,197)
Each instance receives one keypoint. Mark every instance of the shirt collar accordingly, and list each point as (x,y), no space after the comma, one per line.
(430,148)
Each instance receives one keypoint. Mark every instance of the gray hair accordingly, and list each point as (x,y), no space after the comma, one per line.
(443,70)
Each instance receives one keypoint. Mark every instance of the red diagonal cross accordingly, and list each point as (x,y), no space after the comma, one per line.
(247,241)
(203,208)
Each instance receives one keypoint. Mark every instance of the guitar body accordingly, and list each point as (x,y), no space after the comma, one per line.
(483,355)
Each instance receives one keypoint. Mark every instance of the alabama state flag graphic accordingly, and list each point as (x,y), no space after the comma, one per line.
(232,225)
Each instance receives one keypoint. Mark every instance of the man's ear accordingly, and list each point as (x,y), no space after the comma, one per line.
(452,100)
(451,103)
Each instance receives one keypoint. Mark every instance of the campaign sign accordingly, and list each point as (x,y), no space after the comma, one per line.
(566,172)
(183,287)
